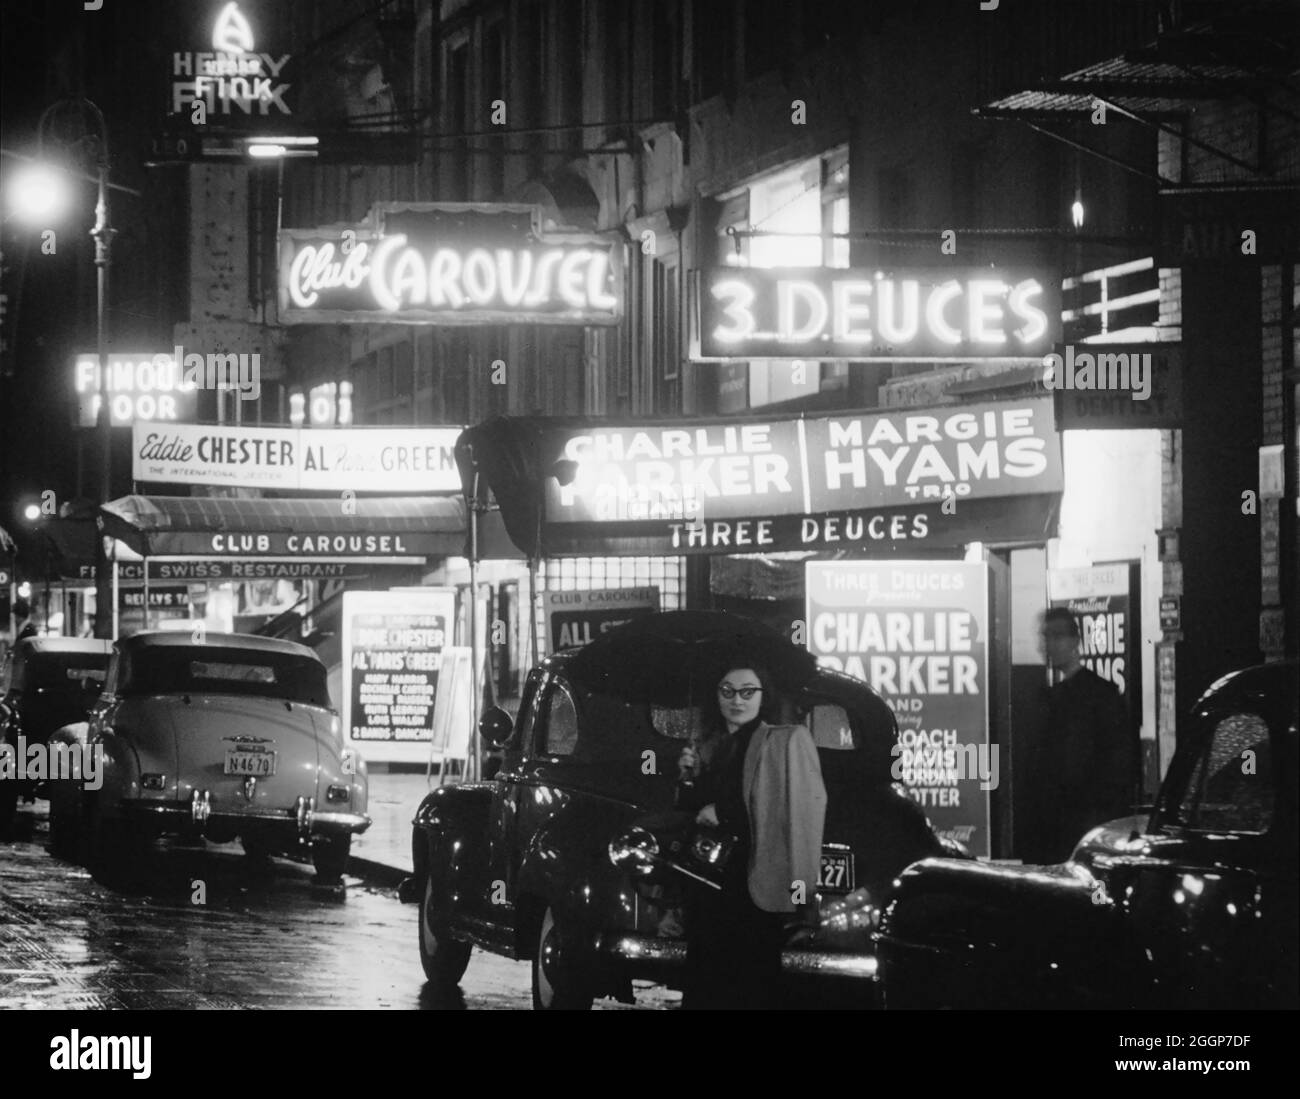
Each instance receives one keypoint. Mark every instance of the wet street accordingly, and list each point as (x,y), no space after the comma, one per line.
(262,937)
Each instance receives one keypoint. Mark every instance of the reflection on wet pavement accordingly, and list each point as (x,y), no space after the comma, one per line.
(265,936)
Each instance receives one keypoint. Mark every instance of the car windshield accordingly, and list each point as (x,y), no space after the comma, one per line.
(209,669)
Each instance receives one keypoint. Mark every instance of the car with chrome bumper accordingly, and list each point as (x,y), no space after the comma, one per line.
(561,858)
(1193,906)
(218,736)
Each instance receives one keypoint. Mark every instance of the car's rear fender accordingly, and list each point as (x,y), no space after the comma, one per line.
(142,739)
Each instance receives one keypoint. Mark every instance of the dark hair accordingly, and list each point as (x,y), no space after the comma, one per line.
(1060,616)
(767,698)
(22,609)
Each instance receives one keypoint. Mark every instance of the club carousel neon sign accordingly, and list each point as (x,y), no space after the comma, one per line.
(366,275)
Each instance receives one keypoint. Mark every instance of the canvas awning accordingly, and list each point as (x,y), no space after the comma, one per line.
(394,529)
(863,483)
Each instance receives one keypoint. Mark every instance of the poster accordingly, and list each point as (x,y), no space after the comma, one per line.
(917,631)
(574,618)
(392,649)
(1103,600)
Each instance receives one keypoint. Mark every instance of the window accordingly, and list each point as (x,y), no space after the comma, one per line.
(668,574)
(457,164)
(1231,786)
(560,724)
(667,351)
(522,738)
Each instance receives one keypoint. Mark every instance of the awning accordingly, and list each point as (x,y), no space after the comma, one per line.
(1245,53)
(395,529)
(892,482)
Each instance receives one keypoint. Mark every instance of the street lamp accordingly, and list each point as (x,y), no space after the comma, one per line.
(38,192)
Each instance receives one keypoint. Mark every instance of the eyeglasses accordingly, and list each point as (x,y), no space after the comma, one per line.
(728,691)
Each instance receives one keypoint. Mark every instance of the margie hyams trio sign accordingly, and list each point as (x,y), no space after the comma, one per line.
(789,484)
(848,313)
(448,263)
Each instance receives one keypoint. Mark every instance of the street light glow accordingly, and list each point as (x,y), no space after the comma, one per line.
(32,512)
(39,193)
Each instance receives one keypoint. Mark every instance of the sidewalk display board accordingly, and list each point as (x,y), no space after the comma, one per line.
(917,631)
(392,650)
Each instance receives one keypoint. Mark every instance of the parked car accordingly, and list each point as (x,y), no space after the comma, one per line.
(219,736)
(47,682)
(525,864)
(1193,906)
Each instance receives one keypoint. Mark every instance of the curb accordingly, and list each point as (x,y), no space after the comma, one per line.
(380,873)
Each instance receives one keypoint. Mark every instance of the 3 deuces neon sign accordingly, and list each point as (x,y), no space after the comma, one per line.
(448,263)
(828,313)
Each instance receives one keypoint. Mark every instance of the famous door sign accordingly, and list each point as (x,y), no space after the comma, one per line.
(917,631)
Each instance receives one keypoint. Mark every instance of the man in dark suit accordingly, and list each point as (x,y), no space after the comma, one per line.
(1084,759)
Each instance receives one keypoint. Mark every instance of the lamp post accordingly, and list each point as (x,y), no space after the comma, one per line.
(39,198)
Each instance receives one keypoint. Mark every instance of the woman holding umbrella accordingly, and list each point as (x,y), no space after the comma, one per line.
(761,784)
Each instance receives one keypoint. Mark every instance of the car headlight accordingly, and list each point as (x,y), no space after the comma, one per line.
(634,850)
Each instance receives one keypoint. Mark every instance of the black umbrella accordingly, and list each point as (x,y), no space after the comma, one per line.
(675,658)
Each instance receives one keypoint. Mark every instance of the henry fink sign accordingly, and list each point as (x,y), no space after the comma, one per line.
(448,263)
(390,460)
(944,476)
(917,631)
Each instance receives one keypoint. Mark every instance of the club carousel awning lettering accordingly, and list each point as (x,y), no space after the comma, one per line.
(880,482)
(399,529)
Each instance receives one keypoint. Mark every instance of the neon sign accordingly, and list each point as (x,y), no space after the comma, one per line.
(232,75)
(828,313)
(433,274)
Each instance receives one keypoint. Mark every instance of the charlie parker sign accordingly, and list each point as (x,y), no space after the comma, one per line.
(448,263)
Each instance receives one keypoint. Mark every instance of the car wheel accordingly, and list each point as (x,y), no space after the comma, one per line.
(444,959)
(8,807)
(559,983)
(330,857)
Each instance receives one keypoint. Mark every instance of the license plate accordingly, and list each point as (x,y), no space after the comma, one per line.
(257,764)
(837,871)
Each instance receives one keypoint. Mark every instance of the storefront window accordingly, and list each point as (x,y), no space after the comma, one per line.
(810,198)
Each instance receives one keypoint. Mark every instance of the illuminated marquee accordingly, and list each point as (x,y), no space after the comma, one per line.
(147,387)
(232,75)
(828,313)
(444,267)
